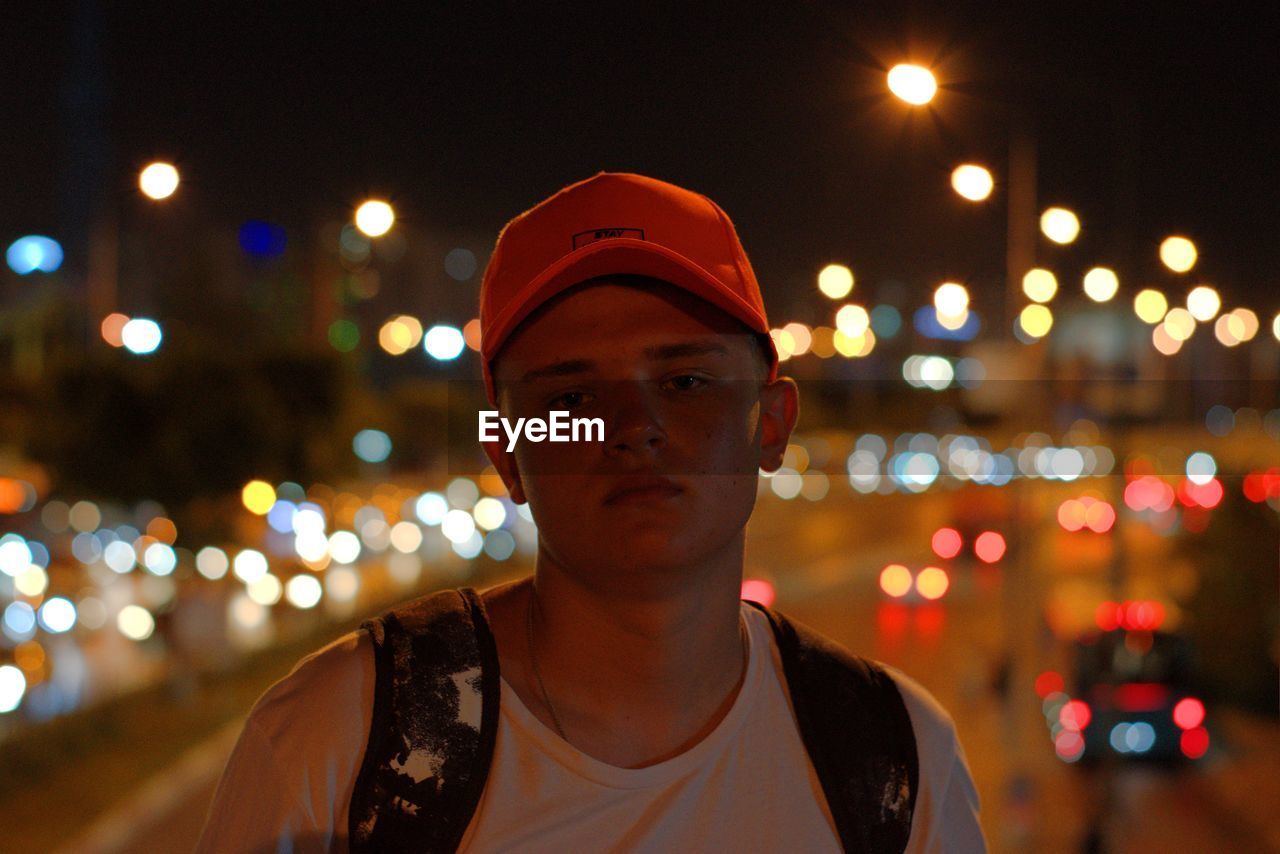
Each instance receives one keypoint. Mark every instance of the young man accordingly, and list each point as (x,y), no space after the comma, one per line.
(623,697)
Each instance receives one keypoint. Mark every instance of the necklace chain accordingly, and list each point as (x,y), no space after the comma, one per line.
(537,674)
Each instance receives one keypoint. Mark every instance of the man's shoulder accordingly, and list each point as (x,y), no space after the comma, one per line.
(331,687)
(934,728)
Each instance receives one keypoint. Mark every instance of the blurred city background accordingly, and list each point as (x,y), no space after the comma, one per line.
(1022,262)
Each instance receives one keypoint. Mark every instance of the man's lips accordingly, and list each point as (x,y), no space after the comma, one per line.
(642,489)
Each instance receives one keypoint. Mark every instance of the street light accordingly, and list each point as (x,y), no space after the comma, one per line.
(374,218)
(1060,225)
(1101,284)
(1204,303)
(835,281)
(1178,253)
(158,180)
(972,181)
(914,84)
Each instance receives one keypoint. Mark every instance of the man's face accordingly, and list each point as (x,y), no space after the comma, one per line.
(688,415)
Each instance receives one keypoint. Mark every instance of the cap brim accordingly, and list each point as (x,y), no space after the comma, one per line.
(618,256)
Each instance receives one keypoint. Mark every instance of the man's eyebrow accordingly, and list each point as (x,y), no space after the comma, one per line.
(656,353)
(686,348)
(558,369)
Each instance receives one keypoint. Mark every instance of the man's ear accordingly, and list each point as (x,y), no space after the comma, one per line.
(779,410)
(505,462)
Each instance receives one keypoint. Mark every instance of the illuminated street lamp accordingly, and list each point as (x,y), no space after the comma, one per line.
(374,218)
(1059,225)
(1178,253)
(1204,303)
(972,181)
(1101,284)
(1040,285)
(158,180)
(951,299)
(914,84)
(835,281)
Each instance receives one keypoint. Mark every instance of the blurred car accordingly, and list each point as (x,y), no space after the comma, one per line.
(1133,693)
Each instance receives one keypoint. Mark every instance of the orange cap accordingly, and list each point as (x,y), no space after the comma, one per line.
(614,223)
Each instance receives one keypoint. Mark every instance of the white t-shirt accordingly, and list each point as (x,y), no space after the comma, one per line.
(749,785)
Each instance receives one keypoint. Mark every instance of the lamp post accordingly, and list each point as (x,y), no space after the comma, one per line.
(915,85)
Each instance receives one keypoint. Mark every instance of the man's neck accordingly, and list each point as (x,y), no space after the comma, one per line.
(632,679)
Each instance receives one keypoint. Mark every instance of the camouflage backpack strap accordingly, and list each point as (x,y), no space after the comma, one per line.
(435,721)
(858,734)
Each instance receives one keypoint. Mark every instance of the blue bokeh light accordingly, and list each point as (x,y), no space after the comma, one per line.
(34,252)
(372,446)
(925,320)
(262,240)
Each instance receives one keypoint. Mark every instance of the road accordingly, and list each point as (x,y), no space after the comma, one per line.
(824,559)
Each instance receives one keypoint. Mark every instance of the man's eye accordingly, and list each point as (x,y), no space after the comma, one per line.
(686,382)
(568,400)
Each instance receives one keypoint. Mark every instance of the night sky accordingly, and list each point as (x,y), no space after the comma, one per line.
(1150,122)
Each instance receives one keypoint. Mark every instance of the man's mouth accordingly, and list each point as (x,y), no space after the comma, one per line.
(647,488)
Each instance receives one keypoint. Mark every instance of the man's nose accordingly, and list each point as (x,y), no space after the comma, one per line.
(635,422)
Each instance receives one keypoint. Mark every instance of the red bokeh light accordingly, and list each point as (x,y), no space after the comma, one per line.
(1207,495)
(758,590)
(1099,516)
(1148,493)
(1075,715)
(1189,713)
(1142,615)
(1069,745)
(1049,682)
(1108,616)
(947,542)
(989,546)
(1194,742)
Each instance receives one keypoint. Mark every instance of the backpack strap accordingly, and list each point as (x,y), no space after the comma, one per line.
(435,722)
(857,732)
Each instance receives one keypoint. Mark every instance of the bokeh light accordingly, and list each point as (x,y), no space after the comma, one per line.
(852,320)
(1178,253)
(13,685)
(1036,320)
(303,591)
(258,497)
(972,181)
(946,542)
(141,336)
(951,299)
(835,281)
(1150,306)
(1101,284)
(374,218)
(443,342)
(758,590)
(34,253)
(989,546)
(372,446)
(262,240)
(1039,284)
(135,622)
(344,335)
(1059,225)
(914,84)
(1203,302)
(158,180)
(896,580)
(932,582)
